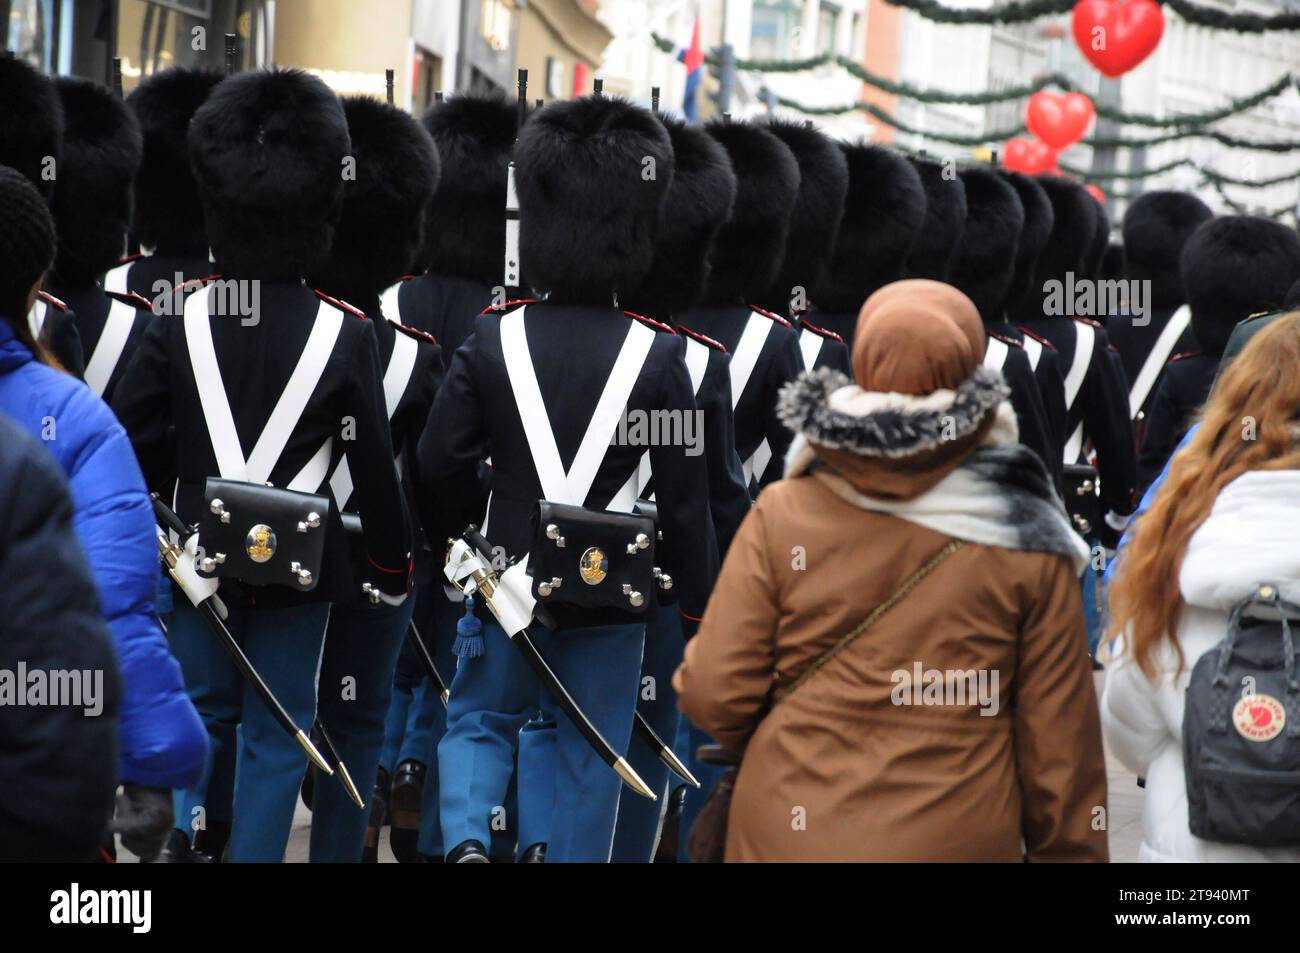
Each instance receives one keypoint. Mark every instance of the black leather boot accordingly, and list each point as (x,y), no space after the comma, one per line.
(535,854)
(469,852)
(404,805)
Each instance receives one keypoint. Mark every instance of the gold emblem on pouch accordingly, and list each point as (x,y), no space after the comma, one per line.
(260,543)
(593,566)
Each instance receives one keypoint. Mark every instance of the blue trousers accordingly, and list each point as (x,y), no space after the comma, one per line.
(536,777)
(689,740)
(493,696)
(284,645)
(638,817)
(356,681)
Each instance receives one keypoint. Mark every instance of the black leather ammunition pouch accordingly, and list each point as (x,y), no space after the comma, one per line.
(261,535)
(593,559)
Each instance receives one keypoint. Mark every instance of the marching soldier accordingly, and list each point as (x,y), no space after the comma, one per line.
(92,207)
(31,141)
(263,381)
(945,216)
(982,266)
(1156,227)
(764,347)
(378,238)
(167,223)
(884,212)
(814,223)
(541,390)
(1231,267)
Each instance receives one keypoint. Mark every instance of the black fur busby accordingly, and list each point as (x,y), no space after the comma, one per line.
(1100,239)
(884,212)
(466,235)
(815,219)
(1034,234)
(983,263)
(382,229)
(699,203)
(269,150)
(1233,267)
(1156,227)
(168,214)
(1067,250)
(1292,300)
(1112,263)
(31,123)
(751,245)
(92,204)
(592,174)
(945,215)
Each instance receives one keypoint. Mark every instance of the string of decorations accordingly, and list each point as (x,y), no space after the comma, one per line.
(1240,209)
(1205,172)
(1023,11)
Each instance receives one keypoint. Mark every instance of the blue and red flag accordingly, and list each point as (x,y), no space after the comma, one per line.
(693,57)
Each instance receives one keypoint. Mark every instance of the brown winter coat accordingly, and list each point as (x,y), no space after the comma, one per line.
(839,772)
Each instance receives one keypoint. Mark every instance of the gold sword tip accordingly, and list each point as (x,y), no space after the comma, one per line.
(305,743)
(633,780)
(668,757)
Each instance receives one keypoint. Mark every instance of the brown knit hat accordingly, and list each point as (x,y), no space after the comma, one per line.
(915,337)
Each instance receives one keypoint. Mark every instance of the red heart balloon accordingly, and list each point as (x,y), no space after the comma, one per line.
(1059,121)
(1096,192)
(1028,156)
(1115,37)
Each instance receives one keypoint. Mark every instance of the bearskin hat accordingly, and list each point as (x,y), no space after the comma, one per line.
(945,215)
(1034,235)
(1074,226)
(751,246)
(1100,239)
(884,212)
(381,232)
(31,123)
(592,174)
(269,150)
(168,212)
(466,235)
(983,263)
(699,203)
(1112,263)
(1156,227)
(1292,300)
(92,204)
(818,206)
(1232,267)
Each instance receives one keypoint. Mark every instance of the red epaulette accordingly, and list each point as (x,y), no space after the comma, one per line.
(1008,341)
(1037,337)
(702,338)
(131,298)
(775,317)
(501,308)
(649,322)
(197,282)
(50,299)
(824,332)
(1099,326)
(343,305)
(415,333)
(128,259)
(1179,357)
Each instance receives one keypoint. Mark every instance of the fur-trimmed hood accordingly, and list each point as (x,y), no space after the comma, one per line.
(92,205)
(945,217)
(1034,234)
(31,122)
(168,214)
(984,261)
(815,218)
(1074,225)
(751,245)
(592,175)
(699,203)
(1232,267)
(884,212)
(268,150)
(466,234)
(384,207)
(1156,227)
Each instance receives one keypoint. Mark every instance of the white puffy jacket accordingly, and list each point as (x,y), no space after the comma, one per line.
(1251,536)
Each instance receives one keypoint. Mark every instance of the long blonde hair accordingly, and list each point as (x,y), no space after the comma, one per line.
(1247,424)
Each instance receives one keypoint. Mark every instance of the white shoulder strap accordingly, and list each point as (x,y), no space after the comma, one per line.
(116,278)
(112,341)
(1157,359)
(1033,351)
(995,354)
(390,303)
(36,317)
(558,485)
(398,375)
(745,359)
(288,409)
(697,362)
(810,345)
(1084,340)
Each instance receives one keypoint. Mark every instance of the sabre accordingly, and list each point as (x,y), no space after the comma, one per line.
(172,556)
(666,754)
(332,754)
(468,569)
(431,669)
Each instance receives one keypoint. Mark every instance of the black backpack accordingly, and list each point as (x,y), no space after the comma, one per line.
(1241,731)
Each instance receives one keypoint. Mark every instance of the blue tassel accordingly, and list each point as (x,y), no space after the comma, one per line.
(469,633)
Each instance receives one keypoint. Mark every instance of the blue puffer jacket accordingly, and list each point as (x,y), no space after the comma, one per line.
(163,741)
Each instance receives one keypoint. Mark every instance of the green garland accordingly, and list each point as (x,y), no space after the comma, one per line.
(1240,209)
(1022,11)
